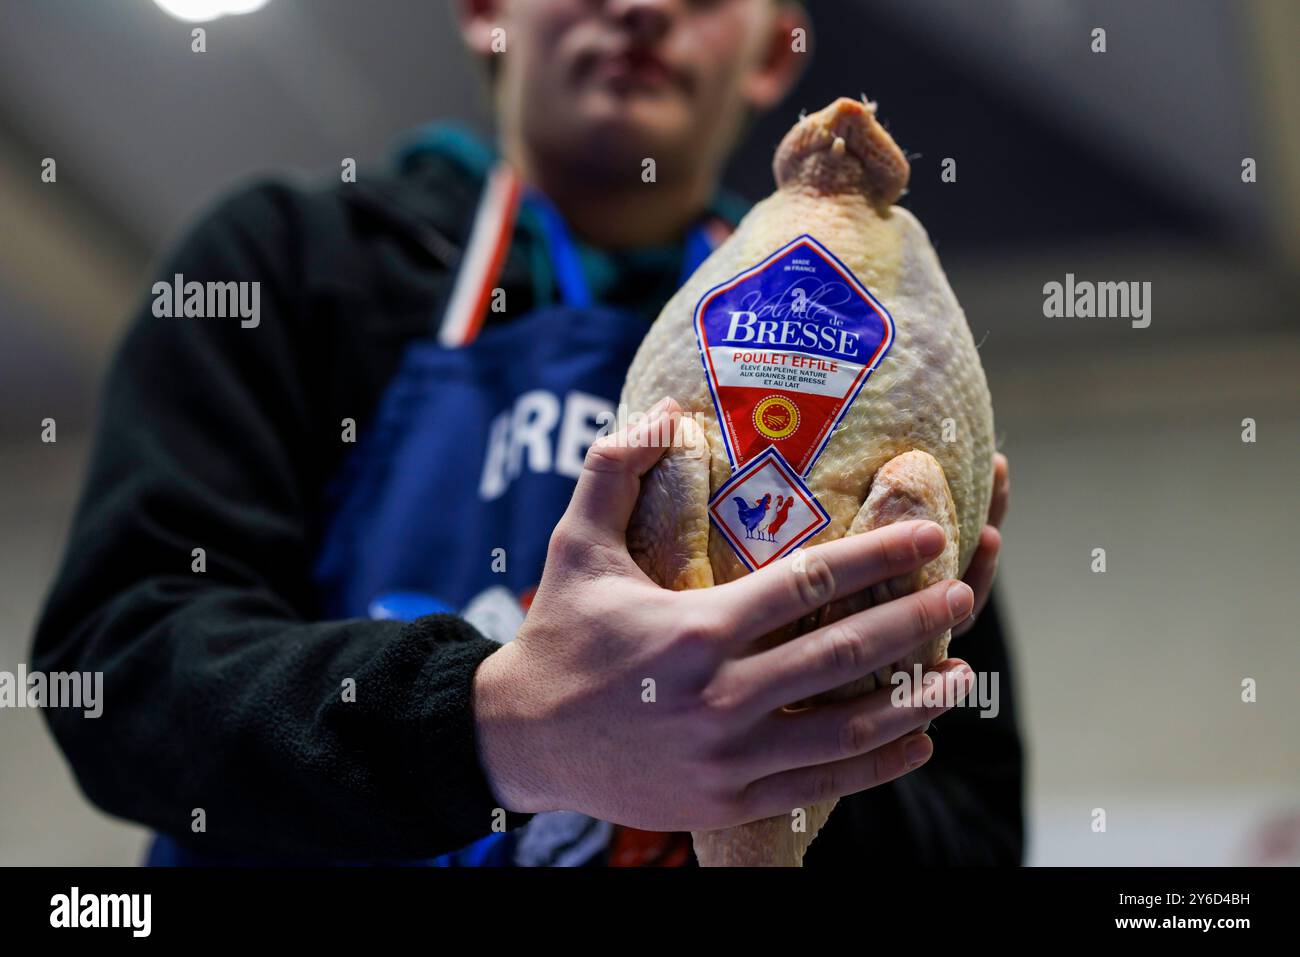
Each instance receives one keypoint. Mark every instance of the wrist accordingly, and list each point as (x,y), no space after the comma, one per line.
(506,731)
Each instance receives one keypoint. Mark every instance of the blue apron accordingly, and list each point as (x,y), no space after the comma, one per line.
(449,500)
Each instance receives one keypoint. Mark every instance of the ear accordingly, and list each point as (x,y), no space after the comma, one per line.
(785,53)
(477,19)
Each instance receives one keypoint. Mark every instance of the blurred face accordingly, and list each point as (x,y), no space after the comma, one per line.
(600,83)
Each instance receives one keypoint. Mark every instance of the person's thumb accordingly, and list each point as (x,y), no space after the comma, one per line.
(611,473)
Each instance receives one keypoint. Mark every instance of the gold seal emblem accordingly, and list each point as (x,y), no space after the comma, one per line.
(776,417)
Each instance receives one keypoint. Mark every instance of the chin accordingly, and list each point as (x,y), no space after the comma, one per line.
(639,123)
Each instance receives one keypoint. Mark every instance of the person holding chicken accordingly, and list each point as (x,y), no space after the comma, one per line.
(430,645)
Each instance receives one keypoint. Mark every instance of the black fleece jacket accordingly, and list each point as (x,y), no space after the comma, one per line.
(223,689)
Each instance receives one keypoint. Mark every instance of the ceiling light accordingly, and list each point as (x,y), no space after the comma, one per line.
(197,11)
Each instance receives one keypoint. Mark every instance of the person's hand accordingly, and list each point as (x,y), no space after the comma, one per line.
(646,707)
(984,563)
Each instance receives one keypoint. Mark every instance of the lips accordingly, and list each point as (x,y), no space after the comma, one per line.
(635,67)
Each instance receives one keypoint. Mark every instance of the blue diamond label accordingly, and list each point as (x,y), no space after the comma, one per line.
(787,345)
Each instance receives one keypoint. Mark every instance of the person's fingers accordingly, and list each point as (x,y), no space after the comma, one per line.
(804,787)
(1001,490)
(979,575)
(845,729)
(800,584)
(847,649)
(607,489)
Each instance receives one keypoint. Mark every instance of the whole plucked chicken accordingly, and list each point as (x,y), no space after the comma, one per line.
(911,437)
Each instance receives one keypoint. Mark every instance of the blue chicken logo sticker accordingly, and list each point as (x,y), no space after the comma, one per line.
(751,516)
(764,511)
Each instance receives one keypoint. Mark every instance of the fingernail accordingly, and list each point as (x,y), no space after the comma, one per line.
(916,750)
(659,407)
(960,600)
(929,539)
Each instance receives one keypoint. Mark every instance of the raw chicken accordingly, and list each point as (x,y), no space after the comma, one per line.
(916,442)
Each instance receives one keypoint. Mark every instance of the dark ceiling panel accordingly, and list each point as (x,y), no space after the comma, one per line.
(1024,176)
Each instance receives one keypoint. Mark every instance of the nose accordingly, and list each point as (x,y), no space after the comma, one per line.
(646,20)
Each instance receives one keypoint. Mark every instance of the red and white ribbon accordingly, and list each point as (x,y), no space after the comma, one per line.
(484,255)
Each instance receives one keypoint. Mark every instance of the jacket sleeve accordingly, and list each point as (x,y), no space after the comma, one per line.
(295,737)
(965,805)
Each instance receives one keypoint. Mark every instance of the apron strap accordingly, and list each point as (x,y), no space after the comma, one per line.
(564,254)
(489,241)
(485,253)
